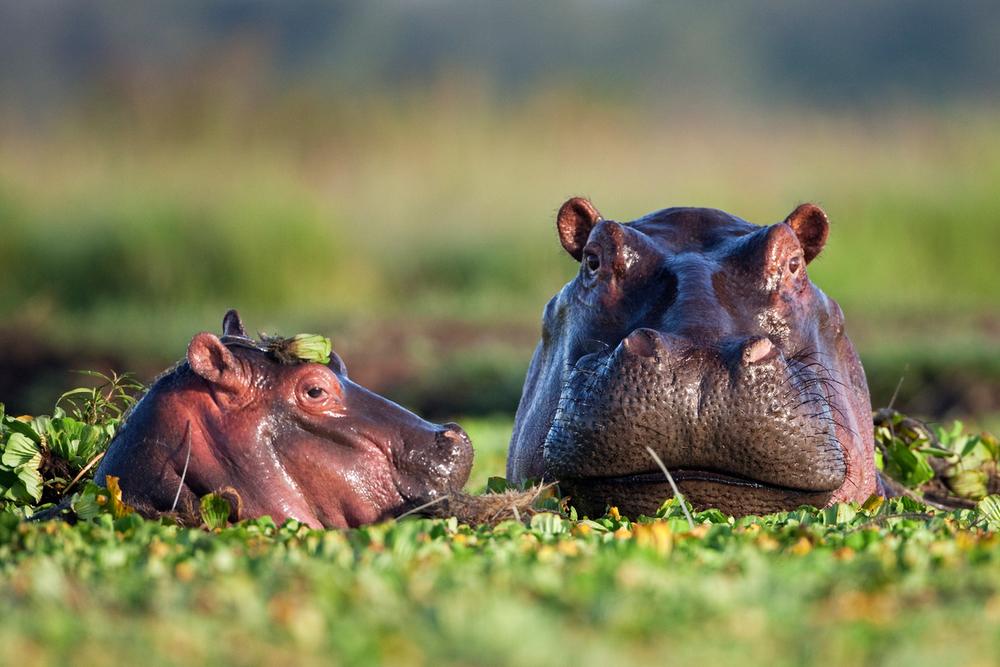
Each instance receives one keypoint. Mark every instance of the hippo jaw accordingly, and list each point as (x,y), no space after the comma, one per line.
(740,427)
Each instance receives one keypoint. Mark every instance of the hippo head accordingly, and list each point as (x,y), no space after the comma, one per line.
(280,436)
(698,335)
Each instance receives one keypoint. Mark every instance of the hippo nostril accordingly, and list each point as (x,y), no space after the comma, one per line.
(454,433)
(757,350)
(641,343)
(454,446)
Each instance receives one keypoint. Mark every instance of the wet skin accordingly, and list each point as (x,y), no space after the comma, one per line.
(289,440)
(700,335)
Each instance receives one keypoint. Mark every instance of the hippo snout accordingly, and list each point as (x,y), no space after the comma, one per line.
(645,344)
(735,412)
(436,466)
(455,434)
(454,446)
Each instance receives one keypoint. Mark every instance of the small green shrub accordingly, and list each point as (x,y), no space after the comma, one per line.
(45,456)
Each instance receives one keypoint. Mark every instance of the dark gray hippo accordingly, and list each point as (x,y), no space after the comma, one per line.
(700,335)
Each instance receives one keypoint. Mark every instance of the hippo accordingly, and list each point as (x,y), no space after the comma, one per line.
(278,435)
(700,336)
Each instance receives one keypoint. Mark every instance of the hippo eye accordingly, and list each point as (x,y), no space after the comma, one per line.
(592,262)
(794,263)
(315,392)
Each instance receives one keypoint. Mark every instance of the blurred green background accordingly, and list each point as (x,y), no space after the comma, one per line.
(388,173)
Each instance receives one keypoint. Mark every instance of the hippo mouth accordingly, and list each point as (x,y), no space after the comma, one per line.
(685,475)
(643,493)
(746,438)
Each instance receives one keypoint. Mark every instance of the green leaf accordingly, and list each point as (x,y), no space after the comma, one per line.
(32,481)
(85,505)
(971,484)
(63,436)
(497,485)
(593,525)
(971,443)
(989,509)
(311,347)
(907,466)
(24,428)
(19,451)
(548,523)
(874,503)
(839,513)
(12,488)
(74,441)
(214,511)
(712,516)
(92,440)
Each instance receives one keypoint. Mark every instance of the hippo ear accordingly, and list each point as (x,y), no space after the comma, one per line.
(212,360)
(232,325)
(575,220)
(811,226)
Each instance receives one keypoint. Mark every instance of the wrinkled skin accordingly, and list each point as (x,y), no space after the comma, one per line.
(287,440)
(699,335)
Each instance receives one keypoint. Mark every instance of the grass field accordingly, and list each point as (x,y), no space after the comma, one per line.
(372,221)
(442,212)
(787,591)
(888,587)
(891,583)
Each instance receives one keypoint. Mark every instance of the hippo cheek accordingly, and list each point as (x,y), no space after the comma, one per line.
(343,485)
(741,436)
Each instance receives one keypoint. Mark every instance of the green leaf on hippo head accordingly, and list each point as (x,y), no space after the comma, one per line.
(214,511)
(310,347)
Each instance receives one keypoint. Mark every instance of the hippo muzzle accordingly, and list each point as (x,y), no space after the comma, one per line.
(436,469)
(737,425)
